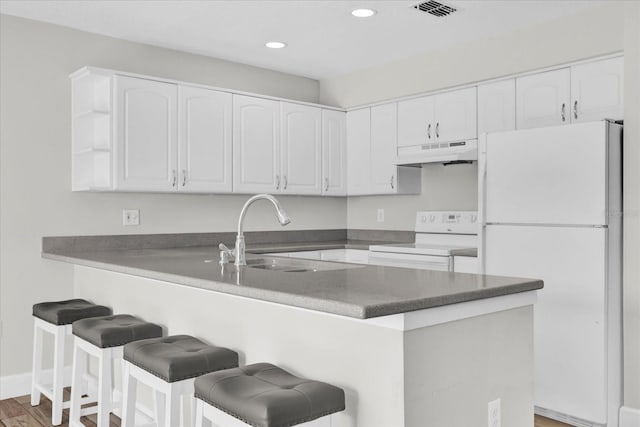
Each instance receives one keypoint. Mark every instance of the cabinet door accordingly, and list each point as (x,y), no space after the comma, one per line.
(597,90)
(256,145)
(384,131)
(416,121)
(456,118)
(358,152)
(543,99)
(497,106)
(145,123)
(204,148)
(334,153)
(301,149)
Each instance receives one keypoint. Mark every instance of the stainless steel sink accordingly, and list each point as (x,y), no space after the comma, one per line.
(297,265)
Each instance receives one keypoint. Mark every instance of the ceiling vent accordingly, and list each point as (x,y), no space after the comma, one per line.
(435,8)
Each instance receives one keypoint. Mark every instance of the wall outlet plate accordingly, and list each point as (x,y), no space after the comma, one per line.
(130,217)
(380,215)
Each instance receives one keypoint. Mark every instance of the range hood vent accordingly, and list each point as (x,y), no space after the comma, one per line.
(435,8)
(438,152)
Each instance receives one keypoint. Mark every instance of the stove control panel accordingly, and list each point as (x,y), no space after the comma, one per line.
(454,222)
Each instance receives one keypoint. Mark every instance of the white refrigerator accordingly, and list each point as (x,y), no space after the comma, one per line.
(550,203)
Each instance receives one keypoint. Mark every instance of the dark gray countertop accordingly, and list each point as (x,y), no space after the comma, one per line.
(360,291)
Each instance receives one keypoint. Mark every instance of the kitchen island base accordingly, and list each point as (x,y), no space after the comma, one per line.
(444,374)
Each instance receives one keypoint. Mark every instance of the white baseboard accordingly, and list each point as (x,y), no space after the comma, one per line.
(20,384)
(629,417)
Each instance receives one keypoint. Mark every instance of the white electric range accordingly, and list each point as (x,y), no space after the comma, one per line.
(445,241)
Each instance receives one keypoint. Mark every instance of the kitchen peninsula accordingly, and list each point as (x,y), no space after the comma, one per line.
(409,347)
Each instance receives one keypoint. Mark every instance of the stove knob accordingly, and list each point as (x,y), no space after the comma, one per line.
(424,218)
(432,218)
(474,218)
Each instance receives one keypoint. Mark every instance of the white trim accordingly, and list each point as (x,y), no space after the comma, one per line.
(20,384)
(629,417)
(109,72)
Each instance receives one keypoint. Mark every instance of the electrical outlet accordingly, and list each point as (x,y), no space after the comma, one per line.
(494,413)
(130,217)
(380,215)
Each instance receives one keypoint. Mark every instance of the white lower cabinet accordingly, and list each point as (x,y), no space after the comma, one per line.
(354,256)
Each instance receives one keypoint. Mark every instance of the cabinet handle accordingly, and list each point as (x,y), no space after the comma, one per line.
(562,112)
(184,177)
(575,109)
(174,178)
(284,182)
(429,131)
(438,130)
(326,184)
(277,182)
(392,186)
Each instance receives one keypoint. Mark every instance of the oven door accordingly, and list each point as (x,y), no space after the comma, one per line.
(422,262)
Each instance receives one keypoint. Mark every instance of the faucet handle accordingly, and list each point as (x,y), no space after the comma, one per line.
(225,253)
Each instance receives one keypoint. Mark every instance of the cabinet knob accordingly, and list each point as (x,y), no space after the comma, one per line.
(277,182)
(326,184)
(575,109)
(438,130)
(284,182)
(391,182)
(429,131)
(184,177)
(174,178)
(562,112)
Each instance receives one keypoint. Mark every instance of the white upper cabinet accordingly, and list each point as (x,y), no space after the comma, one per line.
(416,121)
(204,140)
(384,131)
(445,117)
(497,106)
(455,118)
(334,153)
(358,152)
(301,149)
(146,135)
(256,145)
(543,99)
(597,90)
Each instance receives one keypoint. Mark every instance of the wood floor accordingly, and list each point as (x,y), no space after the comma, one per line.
(18,412)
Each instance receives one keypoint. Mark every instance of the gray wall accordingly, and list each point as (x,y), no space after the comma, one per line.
(35,193)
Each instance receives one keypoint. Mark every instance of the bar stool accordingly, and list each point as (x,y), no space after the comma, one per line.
(264,395)
(56,317)
(104,339)
(169,366)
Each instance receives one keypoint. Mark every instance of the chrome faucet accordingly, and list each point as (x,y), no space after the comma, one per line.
(238,251)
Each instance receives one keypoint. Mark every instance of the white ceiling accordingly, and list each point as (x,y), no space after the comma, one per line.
(323,39)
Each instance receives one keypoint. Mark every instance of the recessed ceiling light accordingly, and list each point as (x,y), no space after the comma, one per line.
(275,45)
(363,13)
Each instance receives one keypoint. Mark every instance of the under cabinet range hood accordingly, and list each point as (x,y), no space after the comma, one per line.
(438,152)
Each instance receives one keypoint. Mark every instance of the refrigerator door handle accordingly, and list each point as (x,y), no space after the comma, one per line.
(482,190)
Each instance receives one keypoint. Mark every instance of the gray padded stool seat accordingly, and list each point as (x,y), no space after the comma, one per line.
(264,395)
(178,357)
(114,331)
(67,312)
